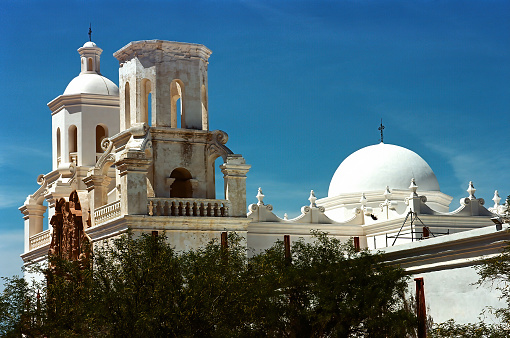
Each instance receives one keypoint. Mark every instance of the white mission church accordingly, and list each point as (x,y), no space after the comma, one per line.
(141,157)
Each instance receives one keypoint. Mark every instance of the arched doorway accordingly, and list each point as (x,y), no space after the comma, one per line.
(181,186)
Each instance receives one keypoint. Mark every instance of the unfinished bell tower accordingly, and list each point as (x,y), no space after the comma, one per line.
(163,92)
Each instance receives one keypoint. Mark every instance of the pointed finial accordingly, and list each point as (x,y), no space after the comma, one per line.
(471,190)
(387,193)
(260,197)
(90,32)
(413,187)
(381,128)
(285,216)
(363,200)
(312,199)
(496,199)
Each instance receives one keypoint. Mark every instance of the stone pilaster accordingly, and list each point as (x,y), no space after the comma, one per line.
(234,174)
(133,167)
(97,187)
(33,214)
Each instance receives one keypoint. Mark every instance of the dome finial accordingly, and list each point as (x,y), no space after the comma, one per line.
(381,128)
(312,199)
(496,199)
(260,197)
(90,31)
(471,190)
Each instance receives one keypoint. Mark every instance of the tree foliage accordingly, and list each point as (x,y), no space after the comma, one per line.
(142,287)
(450,329)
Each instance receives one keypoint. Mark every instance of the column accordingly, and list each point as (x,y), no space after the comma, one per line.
(97,187)
(33,215)
(133,168)
(234,174)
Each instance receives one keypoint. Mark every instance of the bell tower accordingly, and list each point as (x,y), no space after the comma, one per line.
(85,114)
(163,87)
(164,84)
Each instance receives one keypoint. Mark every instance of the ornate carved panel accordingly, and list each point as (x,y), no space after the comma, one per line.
(69,241)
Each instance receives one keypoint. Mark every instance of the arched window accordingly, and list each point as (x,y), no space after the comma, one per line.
(101,134)
(58,147)
(73,139)
(146,101)
(89,65)
(127,105)
(181,187)
(73,144)
(176,104)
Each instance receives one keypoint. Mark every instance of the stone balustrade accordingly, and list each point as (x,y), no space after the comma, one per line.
(41,239)
(107,212)
(188,207)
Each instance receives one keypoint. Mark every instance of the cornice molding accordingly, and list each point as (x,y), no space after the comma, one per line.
(151,49)
(63,101)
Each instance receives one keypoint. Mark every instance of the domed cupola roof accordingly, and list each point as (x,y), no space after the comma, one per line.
(90,80)
(375,167)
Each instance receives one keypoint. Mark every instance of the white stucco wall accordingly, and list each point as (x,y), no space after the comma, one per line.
(451,294)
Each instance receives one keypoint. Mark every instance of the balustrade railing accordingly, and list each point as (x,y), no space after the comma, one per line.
(107,212)
(187,207)
(41,239)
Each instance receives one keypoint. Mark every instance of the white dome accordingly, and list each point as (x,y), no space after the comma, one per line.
(89,44)
(91,84)
(375,167)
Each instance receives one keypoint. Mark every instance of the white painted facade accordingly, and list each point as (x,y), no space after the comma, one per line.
(141,157)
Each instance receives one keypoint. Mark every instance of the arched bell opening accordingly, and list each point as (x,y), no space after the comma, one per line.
(73,144)
(146,102)
(218,182)
(177,115)
(101,134)
(181,186)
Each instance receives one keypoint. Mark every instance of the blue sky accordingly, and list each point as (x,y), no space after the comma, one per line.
(297,85)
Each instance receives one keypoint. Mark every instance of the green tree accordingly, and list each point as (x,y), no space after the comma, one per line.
(141,287)
(329,289)
(14,306)
(137,286)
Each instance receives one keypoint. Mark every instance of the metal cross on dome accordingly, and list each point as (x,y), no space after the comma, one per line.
(90,32)
(381,128)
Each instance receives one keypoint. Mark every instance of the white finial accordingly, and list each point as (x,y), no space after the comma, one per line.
(260,197)
(413,187)
(285,216)
(496,199)
(471,190)
(363,200)
(387,193)
(312,199)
